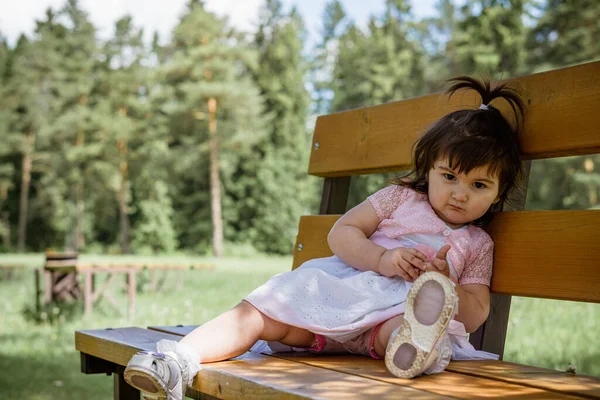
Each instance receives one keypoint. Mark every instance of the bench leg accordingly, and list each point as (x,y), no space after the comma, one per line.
(88,293)
(123,391)
(94,365)
(38,291)
(47,287)
(131,293)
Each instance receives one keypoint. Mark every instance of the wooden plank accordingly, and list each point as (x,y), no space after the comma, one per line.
(60,266)
(250,376)
(581,385)
(533,249)
(562,118)
(123,267)
(311,241)
(118,345)
(539,378)
(6,265)
(179,330)
(447,383)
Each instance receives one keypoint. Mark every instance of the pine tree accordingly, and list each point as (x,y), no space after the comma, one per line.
(271,189)
(29,98)
(213,101)
(7,169)
(439,58)
(153,228)
(121,78)
(566,33)
(489,38)
(325,56)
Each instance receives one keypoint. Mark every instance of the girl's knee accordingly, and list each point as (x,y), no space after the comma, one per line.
(273,330)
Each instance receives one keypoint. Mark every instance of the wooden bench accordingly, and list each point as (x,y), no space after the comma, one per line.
(533,253)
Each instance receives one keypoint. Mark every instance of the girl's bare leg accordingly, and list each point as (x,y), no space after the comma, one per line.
(234,332)
(384,333)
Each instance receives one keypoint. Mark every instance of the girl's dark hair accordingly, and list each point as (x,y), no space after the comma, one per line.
(470,139)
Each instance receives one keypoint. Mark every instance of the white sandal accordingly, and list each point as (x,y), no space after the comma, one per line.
(431,304)
(163,375)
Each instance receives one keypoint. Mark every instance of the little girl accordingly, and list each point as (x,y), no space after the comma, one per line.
(405,259)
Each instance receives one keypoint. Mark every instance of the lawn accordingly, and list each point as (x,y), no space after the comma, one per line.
(38,361)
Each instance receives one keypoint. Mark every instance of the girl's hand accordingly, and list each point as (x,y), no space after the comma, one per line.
(403,262)
(439,263)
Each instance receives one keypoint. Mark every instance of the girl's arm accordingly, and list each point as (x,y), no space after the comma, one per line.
(473,305)
(348,239)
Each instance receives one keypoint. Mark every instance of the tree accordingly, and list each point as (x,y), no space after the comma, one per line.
(490,38)
(325,55)
(29,100)
(270,189)
(439,58)
(6,167)
(206,71)
(75,124)
(567,32)
(121,79)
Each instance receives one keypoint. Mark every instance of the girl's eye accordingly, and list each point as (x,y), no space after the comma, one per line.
(479,185)
(449,177)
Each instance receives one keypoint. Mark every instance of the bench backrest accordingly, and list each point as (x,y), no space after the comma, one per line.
(548,254)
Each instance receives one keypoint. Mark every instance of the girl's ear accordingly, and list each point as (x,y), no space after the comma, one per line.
(496,200)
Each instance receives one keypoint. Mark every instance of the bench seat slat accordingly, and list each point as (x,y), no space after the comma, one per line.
(561,119)
(585,386)
(533,252)
(461,379)
(250,376)
(118,345)
(447,383)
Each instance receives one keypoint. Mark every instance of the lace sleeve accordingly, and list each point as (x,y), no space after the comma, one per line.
(479,268)
(387,200)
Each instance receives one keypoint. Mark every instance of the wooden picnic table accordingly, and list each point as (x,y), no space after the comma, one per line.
(62,271)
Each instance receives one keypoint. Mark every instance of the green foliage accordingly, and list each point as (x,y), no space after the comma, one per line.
(567,183)
(154,229)
(207,62)
(270,188)
(52,314)
(489,38)
(567,32)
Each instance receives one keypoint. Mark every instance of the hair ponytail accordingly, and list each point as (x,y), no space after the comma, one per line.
(487,93)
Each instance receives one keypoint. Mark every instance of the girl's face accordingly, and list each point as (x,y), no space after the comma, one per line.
(459,198)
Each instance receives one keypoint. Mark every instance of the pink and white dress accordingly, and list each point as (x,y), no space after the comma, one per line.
(332,299)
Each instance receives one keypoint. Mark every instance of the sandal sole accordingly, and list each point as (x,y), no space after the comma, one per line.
(408,353)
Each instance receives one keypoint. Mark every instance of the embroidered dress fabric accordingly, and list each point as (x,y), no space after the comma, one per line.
(330,298)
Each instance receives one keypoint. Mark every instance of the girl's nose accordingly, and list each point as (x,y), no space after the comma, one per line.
(460,195)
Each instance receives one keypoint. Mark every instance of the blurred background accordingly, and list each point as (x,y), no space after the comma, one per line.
(180,130)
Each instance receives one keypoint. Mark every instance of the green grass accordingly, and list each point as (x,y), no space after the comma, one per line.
(39,361)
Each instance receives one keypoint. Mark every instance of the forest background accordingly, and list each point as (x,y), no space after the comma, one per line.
(200,145)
